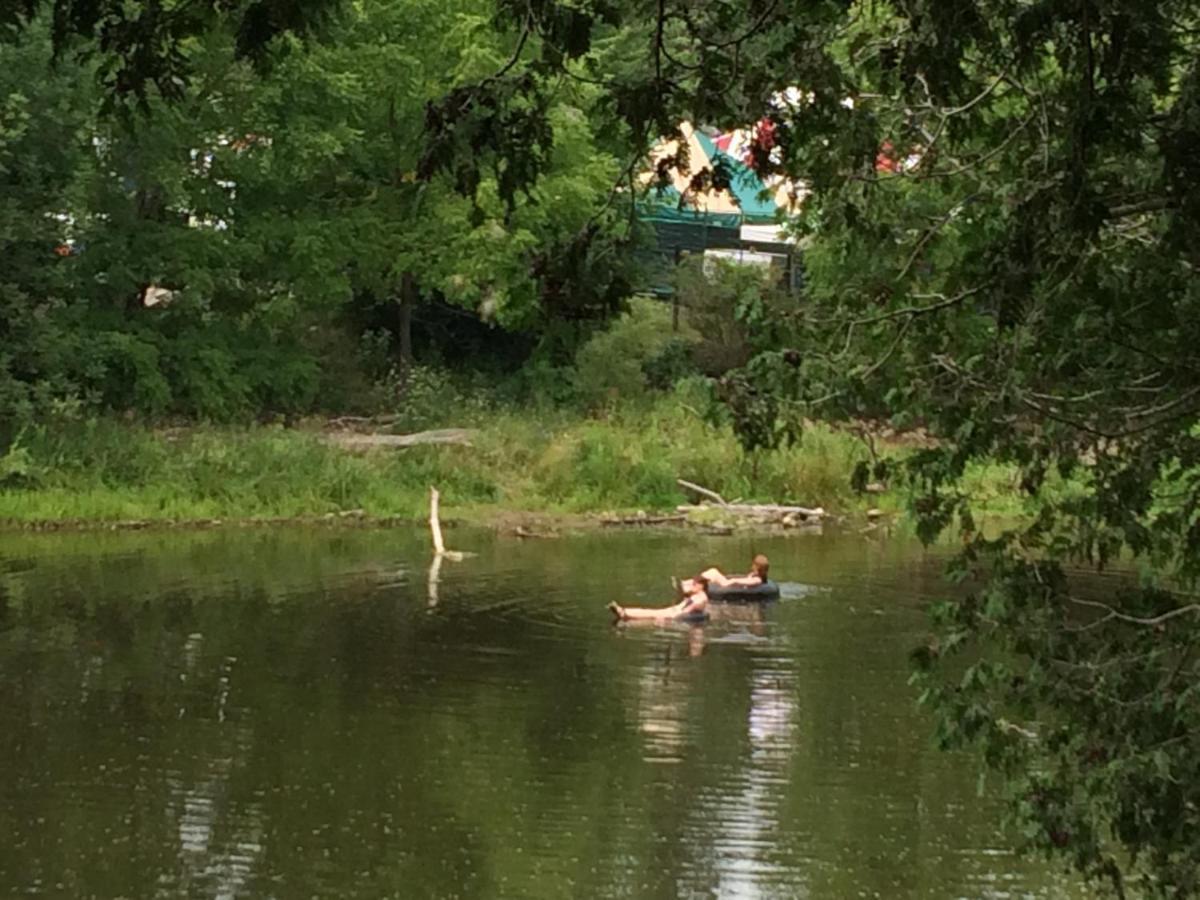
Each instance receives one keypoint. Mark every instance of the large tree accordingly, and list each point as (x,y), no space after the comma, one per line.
(269,201)
(141,49)
(1002,238)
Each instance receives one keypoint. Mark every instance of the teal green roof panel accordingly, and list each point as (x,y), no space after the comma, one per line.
(747,188)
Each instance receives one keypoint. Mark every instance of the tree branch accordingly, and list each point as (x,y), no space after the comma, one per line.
(753,30)
(1153,204)
(875,366)
(944,302)
(1113,613)
(929,233)
(473,93)
(659,26)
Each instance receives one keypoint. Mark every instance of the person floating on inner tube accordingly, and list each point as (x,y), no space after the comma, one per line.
(756,576)
(693,605)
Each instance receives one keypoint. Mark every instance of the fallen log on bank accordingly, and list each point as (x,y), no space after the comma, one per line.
(758,510)
(644,519)
(522,532)
(354,441)
(359,421)
(785,514)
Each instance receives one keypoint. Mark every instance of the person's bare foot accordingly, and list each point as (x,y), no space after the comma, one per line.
(617,611)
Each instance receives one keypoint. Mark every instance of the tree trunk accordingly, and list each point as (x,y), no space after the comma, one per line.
(408,292)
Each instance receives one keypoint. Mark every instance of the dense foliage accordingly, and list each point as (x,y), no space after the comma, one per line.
(142,49)
(280,211)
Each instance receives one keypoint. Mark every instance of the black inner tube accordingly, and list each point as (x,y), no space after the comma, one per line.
(768,590)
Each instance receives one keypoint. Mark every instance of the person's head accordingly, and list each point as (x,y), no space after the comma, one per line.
(699,583)
(760,566)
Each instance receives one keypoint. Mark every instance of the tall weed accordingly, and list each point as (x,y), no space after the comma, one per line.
(532,461)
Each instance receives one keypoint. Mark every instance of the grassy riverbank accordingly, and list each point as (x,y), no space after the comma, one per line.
(106,470)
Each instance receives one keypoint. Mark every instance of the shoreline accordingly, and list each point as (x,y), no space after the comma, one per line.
(521,524)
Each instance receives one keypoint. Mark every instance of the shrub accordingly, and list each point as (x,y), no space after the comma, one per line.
(672,362)
(612,366)
(730,305)
(17,468)
(429,397)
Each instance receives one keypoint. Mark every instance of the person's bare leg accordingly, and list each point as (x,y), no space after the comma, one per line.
(638,612)
(716,576)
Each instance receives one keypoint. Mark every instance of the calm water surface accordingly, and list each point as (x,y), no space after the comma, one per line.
(294,714)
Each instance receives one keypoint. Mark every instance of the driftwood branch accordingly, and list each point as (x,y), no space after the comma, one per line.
(435,528)
(1153,204)
(703,492)
(788,516)
(1013,728)
(1112,613)
(353,441)
(762,509)
(377,421)
(435,525)
(435,572)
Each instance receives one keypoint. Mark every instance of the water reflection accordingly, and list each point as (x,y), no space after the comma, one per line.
(279,714)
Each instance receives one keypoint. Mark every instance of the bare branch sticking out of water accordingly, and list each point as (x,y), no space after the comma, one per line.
(440,553)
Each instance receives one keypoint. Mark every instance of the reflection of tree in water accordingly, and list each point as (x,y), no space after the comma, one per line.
(666,682)
(738,822)
(727,721)
(220,839)
(772,714)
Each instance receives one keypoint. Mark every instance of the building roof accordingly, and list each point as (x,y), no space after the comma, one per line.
(749,198)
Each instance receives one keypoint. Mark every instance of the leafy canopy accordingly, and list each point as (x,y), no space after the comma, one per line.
(1001,247)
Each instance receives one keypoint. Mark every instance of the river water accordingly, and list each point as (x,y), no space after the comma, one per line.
(297,713)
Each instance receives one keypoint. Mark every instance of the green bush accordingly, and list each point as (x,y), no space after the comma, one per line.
(599,466)
(426,397)
(730,306)
(17,468)
(611,367)
(673,361)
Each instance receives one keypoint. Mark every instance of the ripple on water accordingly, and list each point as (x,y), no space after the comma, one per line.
(289,715)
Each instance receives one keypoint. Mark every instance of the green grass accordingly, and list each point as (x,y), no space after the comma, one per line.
(531,461)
